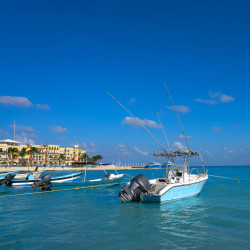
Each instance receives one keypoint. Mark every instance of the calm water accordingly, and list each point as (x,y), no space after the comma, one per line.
(219,218)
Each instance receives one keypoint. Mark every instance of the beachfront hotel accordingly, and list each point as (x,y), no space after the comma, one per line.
(13,153)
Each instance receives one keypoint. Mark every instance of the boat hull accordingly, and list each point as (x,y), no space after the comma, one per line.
(176,192)
(64,178)
(98,183)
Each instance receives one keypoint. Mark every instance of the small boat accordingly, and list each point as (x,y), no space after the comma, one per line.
(2,176)
(180,181)
(36,173)
(6,178)
(30,180)
(153,164)
(108,181)
(166,164)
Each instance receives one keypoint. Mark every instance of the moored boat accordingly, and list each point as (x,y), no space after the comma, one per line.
(108,181)
(30,180)
(153,164)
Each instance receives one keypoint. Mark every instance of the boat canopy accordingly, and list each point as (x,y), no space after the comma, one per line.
(178,153)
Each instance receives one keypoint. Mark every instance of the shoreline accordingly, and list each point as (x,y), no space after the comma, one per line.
(32,169)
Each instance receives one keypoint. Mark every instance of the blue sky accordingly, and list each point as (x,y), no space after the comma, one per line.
(59,57)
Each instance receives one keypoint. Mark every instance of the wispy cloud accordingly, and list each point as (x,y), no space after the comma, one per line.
(180,108)
(228,150)
(131,101)
(17,101)
(22,128)
(43,106)
(182,137)
(206,101)
(121,149)
(61,139)
(178,145)
(58,129)
(217,129)
(26,138)
(133,123)
(141,152)
(215,98)
(4,132)
(226,98)
(88,147)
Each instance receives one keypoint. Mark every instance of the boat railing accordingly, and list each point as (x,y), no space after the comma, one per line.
(193,169)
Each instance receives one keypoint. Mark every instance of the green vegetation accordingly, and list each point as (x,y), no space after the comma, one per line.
(12,152)
(94,158)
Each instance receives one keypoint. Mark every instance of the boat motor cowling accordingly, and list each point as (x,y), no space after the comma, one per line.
(44,183)
(132,192)
(7,180)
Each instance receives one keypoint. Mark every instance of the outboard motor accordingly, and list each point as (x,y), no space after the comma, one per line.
(7,180)
(132,192)
(44,183)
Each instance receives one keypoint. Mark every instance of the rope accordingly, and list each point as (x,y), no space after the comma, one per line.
(59,190)
(131,176)
(223,177)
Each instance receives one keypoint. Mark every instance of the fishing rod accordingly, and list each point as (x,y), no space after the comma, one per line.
(137,121)
(164,132)
(177,115)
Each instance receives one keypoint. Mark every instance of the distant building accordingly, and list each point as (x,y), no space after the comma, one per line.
(44,154)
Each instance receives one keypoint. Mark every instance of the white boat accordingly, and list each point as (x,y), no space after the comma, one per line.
(180,180)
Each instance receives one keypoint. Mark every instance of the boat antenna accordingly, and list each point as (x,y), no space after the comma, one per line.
(164,132)
(177,115)
(137,121)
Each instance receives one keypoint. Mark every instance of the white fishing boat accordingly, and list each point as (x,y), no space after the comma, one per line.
(180,181)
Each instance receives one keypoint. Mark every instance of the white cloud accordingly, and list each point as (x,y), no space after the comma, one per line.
(61,139)
(131,101)
(133,123)
(43,106)
(214,95)
(4,132)
(23,128)
(207,152)
(206,101)
(144,153)
(217,129)
(58,129)
(17,101)
(215,98)
(230,151)
(121,149)
(89,148)
(178,145)
(226,98)
(180,108)
(182,137)
(24,139)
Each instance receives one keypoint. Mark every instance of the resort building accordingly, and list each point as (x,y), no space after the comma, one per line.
(13,153)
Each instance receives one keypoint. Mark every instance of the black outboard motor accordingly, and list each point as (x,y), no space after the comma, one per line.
(7,180)
(44,183)
(132,192)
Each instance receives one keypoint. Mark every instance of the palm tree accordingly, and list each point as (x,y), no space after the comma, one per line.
(61,158)
(46,154)
(84,156)
(96,158)
(11,152)
(31,152)
(22,153)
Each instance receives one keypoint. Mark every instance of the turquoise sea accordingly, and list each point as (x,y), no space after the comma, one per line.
(219,218)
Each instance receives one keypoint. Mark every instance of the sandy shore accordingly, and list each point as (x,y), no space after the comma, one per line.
(30,169)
